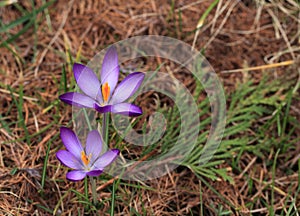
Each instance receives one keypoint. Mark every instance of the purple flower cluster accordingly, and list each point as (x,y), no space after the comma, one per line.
(104,96)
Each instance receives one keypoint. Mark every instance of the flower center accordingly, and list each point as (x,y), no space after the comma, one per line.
(105,91)
(85,159)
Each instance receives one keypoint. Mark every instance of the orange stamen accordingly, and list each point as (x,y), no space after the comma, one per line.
(105,91)
(85,159)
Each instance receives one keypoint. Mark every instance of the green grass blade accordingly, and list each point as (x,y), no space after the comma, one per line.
(22,31)
(113,197)
(26,17)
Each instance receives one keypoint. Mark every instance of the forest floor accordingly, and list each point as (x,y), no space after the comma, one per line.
(253,47)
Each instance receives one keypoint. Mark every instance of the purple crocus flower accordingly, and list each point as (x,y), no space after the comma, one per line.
(85,161)
(104,95)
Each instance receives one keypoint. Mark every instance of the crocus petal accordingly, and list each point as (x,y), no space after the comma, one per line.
(126,109)
(127,87)
(110,69)
(86,79)
(93,145)
(68,159)
(77,99)
(105,159)
(71,142)
(94,173)
(76,175)
(103,109)
(99,97)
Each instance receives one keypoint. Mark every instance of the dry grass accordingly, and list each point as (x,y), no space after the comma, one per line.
(235,35)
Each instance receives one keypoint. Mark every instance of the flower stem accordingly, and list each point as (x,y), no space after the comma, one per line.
(94,190)
(105,125)
(86,191)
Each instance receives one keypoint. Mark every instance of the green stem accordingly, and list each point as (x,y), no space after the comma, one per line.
(105,125)
(86,191)
(94,190)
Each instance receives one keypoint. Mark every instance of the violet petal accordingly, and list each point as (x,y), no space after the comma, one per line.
(86,79)
(76,175)
(93,145)
(127,87)
(103,109)
(106,159)
(68,159)
(110,68)
(77,99)
(127,109)
(99,97)
(71,142)
(94,172)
